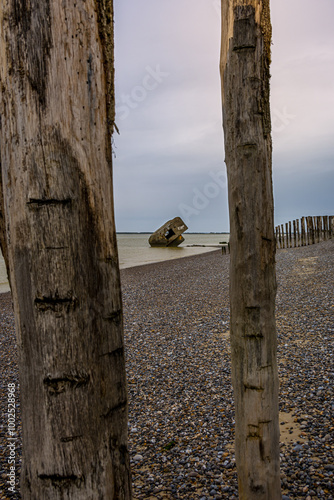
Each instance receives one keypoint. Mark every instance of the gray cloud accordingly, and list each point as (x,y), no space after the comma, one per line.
(169,110)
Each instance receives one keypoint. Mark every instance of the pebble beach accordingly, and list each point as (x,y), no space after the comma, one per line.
(181,411)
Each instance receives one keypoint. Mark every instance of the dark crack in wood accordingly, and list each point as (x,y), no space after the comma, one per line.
(62,482)
(58,385)
(114,317)
(111,411)
(69,439)
(48,202)
(250,387)
(116,352)
(56,304)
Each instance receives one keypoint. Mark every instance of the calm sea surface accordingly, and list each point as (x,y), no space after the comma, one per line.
(134,250)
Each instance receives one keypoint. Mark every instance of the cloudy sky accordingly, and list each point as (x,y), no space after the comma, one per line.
(169,156)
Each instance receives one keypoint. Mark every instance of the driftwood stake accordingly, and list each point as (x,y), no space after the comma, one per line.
(245,60)
(302,221)
(57,112)
(326,227)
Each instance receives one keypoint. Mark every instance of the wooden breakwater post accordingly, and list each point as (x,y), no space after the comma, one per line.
(305,231)
(277,237)
(308,229)
(303,236)
(283,239)
(326,235)
(226,249)
(317,228)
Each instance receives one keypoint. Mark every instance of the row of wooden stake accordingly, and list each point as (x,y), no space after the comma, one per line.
(306,231)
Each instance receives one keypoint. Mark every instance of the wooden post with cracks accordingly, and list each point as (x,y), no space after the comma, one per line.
(298,234)
(303,234)
(245,61)
(331,225)
(57,118)
(279,236)
(326,231)
(283,237)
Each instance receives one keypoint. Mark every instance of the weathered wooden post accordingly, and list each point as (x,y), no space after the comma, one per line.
(283,237)
(290,234)
(287,234)
(57,119)
(298,233)
(308,232)
(326,227)
(317,229)
(321,228)
(311,229)
(303,234)
(245,60)
(279,236)
(294,234)
(331,225)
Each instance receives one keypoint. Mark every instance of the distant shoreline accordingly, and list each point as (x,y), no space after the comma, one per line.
(148,232)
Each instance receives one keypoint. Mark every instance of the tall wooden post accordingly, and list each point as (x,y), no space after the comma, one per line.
(298,233)
(310,231)
(279,236)
(283,237)
(326,226)
(57,118)
(245,60)
(317,229)
(294,234)
(287,234)
(302,221)
(331,225)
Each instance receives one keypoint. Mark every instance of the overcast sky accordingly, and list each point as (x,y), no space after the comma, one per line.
(170,152)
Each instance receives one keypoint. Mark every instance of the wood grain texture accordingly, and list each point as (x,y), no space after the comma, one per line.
(57,115)
(245,61)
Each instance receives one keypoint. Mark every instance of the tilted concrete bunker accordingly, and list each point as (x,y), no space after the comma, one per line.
(169,235)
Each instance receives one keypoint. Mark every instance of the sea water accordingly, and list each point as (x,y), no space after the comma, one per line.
(134,250)
(4,287)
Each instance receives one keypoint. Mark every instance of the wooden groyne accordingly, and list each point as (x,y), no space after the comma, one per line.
(305,231)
